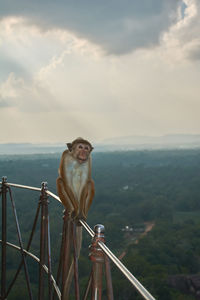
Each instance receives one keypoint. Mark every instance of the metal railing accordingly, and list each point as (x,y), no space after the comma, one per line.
(100,254)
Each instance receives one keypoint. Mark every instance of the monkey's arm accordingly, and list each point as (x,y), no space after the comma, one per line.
(64,190)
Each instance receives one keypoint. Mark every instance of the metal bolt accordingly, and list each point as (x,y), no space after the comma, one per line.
(99,230)
(4,179)
(44,185)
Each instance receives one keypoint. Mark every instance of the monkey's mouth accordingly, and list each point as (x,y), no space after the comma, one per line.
(82,160)
(82,157)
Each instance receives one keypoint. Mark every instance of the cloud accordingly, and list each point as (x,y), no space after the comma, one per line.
(194,52)
(9,65)
(24,48)
(182,41)
(30,97)
(57,79)
(3,103)
(47,71)
(116,26)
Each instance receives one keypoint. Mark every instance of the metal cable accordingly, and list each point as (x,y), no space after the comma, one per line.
(21,245)
(37,259)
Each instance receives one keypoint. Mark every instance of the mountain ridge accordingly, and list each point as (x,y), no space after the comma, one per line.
(135,142)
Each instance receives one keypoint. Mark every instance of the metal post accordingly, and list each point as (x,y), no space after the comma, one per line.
(50,283)
(108,278)
(43,238)
(4,237)
(97,257)
(76,282)
(66,249)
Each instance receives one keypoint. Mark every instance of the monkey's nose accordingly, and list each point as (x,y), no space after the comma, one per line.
(83,153)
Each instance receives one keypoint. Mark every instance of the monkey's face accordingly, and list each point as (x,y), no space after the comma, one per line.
(81,152)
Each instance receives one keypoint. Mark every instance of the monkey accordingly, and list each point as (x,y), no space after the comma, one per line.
(74,184)
(76,190)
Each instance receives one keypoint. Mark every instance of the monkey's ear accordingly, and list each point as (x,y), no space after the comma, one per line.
(91,149)
(69,145)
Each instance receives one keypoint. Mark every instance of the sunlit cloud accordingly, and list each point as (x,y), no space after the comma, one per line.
(181,42)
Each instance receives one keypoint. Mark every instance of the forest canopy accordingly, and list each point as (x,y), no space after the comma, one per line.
(133,189)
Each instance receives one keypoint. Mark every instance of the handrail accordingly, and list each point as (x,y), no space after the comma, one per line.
(23,186)
(32,188)
(53,196)
(87,228)
(141,289)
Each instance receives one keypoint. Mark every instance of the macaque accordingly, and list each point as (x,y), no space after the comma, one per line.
(74,184)
(76,191)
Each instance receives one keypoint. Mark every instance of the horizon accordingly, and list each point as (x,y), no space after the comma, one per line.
(104,141)
(111,138)
(131,143)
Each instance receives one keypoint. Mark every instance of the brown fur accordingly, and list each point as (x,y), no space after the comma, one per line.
(76,201)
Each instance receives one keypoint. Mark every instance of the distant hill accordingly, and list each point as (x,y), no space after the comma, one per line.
(179,141)
(28,148)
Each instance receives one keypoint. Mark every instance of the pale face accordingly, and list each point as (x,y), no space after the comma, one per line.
(81,152)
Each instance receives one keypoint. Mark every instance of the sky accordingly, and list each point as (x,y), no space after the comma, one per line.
(98,69)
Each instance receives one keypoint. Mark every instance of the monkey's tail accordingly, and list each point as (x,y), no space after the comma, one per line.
(68,281)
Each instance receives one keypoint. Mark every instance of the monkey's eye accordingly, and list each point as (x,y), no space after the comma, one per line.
(86,148)
(80,147)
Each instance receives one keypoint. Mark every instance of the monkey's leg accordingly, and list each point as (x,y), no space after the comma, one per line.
(91,193)
(83,197)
